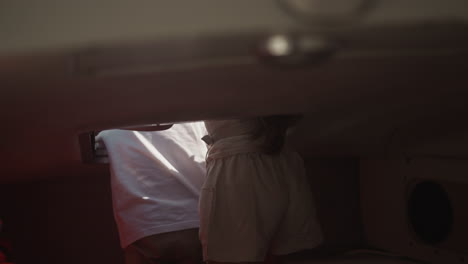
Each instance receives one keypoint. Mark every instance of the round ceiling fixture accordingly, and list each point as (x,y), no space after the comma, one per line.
(327,12)
(295,49)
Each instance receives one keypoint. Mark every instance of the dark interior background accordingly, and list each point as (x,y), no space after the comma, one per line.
(69,219)
(394,90)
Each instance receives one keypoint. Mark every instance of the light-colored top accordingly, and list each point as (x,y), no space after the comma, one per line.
(232,137)
(156,179)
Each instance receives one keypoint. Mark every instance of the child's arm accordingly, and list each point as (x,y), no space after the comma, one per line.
(153,127)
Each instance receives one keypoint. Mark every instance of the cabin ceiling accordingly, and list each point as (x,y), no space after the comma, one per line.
(51,24)
(388,88)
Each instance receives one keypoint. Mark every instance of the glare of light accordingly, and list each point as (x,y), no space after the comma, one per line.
(145,197)
(279,45)
(158,155)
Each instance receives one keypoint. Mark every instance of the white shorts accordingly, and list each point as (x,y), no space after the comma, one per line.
(252,204)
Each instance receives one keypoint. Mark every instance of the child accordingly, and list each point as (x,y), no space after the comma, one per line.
(156,179)
(256,199)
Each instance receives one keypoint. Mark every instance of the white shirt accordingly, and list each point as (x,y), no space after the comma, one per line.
(156,179)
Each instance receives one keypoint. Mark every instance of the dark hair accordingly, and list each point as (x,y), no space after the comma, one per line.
(273,130)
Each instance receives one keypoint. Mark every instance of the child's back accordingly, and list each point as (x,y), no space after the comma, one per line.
(256,198)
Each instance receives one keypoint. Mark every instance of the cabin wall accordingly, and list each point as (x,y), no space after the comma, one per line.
(335,184)
(65,219)
(432,227)
(69,219)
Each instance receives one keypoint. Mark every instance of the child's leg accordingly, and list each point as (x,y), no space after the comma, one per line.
(133,256)
(178,247)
